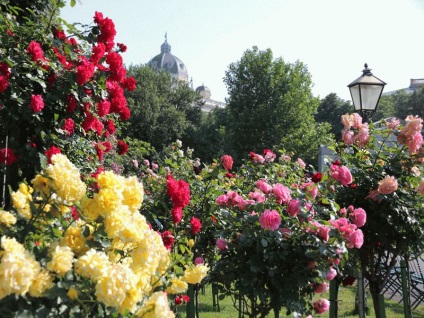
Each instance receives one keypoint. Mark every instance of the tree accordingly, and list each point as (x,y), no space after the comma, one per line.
(270,101)
(330,110)
(162,109)
(409,104)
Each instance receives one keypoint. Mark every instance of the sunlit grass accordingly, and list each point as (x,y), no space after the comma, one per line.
(346,306)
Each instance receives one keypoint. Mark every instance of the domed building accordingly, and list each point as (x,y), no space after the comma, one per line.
(170,63)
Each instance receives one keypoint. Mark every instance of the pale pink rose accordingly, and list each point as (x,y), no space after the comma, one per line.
(420,188)
(263,186)
(393,124)
(416,171)
(221,244)
(413,125)
(270,220)
(322,287)
(387,185)
(281,193)
(321,306)
(348,137)
(257,196)
(285,158)
(331,273)
(347,121)
(359,217)
(155,165)
(310,209)
(242,204)
(415,143)
(199,261)
(227,162)
(135,163)
(363,135)
(373,195)
(301,163)
(323,233)
(146,162)
(256,158)
(357,121)
(268,155)
(355,239)
(293,208)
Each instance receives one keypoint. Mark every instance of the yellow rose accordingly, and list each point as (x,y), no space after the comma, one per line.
(177,286)
(72,293)
(196,274)
(62,258)
(75,240)
(92,264)
(41,184)
(156,307)
(7,218)
(190,243)
(41,283)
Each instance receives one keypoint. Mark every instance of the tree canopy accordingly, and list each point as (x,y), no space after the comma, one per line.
(271,104)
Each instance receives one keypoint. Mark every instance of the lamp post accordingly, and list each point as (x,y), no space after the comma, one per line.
(366,92)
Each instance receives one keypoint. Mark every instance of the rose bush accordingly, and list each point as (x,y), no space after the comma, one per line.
(59,90)
(68,253)
(385,160)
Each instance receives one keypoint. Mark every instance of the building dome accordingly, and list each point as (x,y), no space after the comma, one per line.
(204,91)
(169,63)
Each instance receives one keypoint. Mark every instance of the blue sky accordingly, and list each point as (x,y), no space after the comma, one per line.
(334,38)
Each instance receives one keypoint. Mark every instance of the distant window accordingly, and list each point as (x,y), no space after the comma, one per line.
(181,66)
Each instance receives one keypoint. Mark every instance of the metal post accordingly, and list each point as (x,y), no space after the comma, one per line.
(190,305)
(333,298)
(361,295)
(405,291)
(382,308)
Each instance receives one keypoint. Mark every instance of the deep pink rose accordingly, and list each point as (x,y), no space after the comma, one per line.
(221,244)
(270,220)
(69,126)
(359,217)
(293,208)
(257,196)
(263,186)
(37,103)
(282,193)
(4,83)
(268,155)
(195,225)
(199,261)
(341,174)
(323,233)
(321,306)
(34,49)
(227,162)
(322,287)
(387,185)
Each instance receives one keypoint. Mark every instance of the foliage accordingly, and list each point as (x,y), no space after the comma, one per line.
(163,109)
(68,253)
(330,109)
(385,159)
(58,90)
(270,99)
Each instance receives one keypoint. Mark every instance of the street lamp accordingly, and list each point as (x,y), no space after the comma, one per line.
(366,92)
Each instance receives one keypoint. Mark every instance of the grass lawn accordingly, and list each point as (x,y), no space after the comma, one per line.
(346,306)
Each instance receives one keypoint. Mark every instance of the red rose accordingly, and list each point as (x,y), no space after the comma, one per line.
(103,108)
(110,126)
(122,47)
(34,49)
(84,71)
(4,83)
(195,225)
(5,69)
(74,213)
(114,60)
(7,156)
(98,53)
(167,239)
(317,177)
(177,214)
(129,83)
(124,114)
(122,147)
(69,126)
(37,103)
(178,191)
(53,150)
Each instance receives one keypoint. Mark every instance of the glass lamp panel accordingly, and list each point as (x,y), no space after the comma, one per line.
(356,97)
(370,95)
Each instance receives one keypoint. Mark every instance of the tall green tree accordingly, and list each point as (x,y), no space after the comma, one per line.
(330,110)
(162,110)
(412,104)
(271,104)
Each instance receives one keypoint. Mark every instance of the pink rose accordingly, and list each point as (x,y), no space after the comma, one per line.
(293,208)
(268,155)
(420,188)
(270,220)
(341,174)
(322,287)
(348,137)
(321,306)
(323,233)
(37,103)
(363,135)
(310,188)
(414,144)
(357,121)
(227,162)
(263,186)
(387,185)
(222,200)
(69,126)
(221,244)
(256,158)
(282,193)
(393,124)
(301,163)
(199,261)
(331,273)
(355,239)
(257,196)
(358,217)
